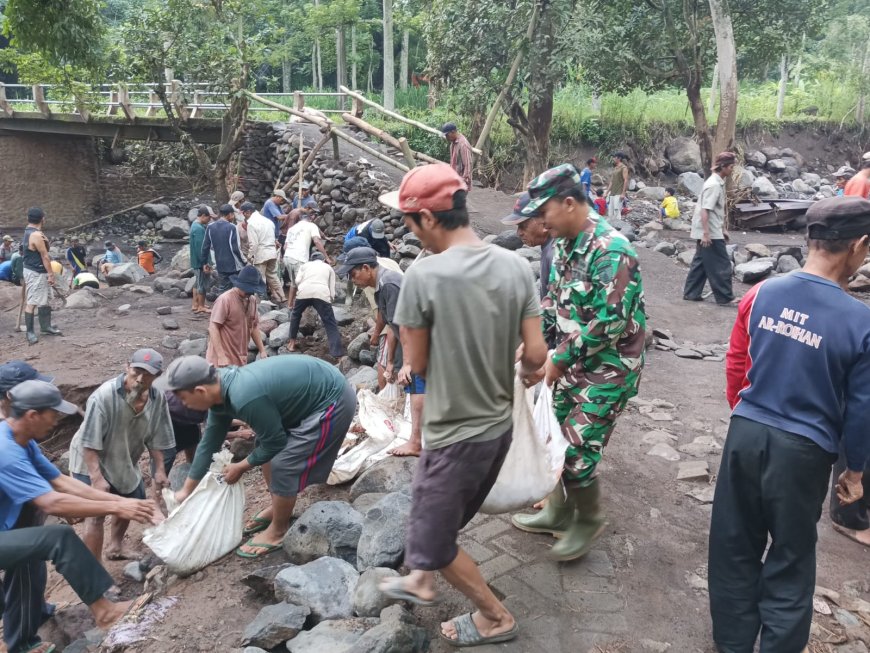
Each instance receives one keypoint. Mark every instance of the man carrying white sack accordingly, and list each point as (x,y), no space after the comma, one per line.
(300,408)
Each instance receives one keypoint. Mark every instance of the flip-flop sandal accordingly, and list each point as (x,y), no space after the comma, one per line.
(468,635)
(260,524)
(51,648)
(396,591)
(268,548)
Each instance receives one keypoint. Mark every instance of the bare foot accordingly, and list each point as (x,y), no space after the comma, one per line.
(112,614)
(120,554)
(861,537)
(540,504)
(406,450)
(485,627)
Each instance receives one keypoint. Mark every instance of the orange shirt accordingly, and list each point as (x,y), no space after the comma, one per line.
(146,261)
(858,186)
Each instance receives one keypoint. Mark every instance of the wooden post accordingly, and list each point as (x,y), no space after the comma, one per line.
(124,101)
(298,100)
(335,153)
(357,108)
(112,108)
(406,152)
(197,100)
(4,103)
(39,99)
(82,109)
(154,104)
(301,161)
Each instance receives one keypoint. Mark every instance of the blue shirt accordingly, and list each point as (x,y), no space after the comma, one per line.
(274,213)
(25,474)
(586,179)
(804,346)
(112,256)
(6,271)
(306,202)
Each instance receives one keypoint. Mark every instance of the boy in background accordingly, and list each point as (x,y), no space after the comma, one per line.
(600,203)
(670,208)
(147,257)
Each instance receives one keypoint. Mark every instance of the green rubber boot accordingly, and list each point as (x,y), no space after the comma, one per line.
(32,338)
(45,322)
(553,518)
(586,524)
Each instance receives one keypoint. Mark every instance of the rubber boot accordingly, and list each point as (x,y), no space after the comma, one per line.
(32,338)
(553,518)
(586,524)
(45,322)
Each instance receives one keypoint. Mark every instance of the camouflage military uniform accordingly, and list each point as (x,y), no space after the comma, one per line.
(594,311)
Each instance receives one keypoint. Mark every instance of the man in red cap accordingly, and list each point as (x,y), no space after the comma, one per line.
(463,312)
(711,262)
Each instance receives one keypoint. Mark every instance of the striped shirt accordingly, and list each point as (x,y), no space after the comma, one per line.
(460,158)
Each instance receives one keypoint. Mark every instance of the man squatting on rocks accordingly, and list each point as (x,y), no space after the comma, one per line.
(784,437)
(467,415)
(594,314)
(30,486)
(38,277)
(300,408)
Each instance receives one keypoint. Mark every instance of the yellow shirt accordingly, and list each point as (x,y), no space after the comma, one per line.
(672,209)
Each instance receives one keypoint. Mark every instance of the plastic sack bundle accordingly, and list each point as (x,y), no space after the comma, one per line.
(205,527)
(535,460)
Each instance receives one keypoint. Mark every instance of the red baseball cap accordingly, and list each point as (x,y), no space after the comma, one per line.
(426,187)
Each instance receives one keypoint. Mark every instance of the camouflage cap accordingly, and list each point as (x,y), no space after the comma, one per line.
(549,184)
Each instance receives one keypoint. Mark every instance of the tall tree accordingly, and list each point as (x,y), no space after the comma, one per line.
(726,67)
(389,65)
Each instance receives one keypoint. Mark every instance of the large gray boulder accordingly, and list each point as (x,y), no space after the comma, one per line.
(787,263)
(771,152)
(174,228)
(764,189)
(755,158)
(331,636)
(343,317)
(363,378)
(684,155)
(747,178)
(357,345)
(392,474)
(654,193)
(193,347)
(800,186)
(156,211)
(280,335)
(275,624)
(327,528)
(776,165)
(125,273)
(181,260)
(396,632)
(754,270)
(382,542)
(83,298)
(368,600)
(508,239)
(811,179)
(163,284)
(325,585)
(691,183)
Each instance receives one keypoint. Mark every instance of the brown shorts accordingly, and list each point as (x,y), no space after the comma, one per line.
(450,485)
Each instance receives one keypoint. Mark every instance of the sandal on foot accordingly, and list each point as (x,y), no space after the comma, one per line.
(46,647)
(267,549)
(467,633)
(396,590)
(260,524)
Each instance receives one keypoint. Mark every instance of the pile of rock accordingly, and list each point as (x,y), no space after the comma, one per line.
(327,597)
(664,341)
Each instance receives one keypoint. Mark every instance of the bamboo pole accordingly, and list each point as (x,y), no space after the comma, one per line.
(406,151)
(369,150)
(393,114)
(301,179)
(327,124)
(308,160)
(386,137)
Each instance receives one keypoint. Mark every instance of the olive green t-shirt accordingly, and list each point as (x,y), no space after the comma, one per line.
(473,300)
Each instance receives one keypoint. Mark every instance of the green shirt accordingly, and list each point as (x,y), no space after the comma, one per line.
(473,300)
(272,396)
(197,235)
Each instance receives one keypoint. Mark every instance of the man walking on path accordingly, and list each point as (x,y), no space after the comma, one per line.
(586,176)
(222,237)
(784,437)
(300,408)
(263,250)
(200,266)
(617,188)
(38,277)
(594,314)
(123,417)
(467,416)
(297,249)
(30,483)
(235,321)
(711,262)
(460,153)
(365,271)
(859,185)
(315,288)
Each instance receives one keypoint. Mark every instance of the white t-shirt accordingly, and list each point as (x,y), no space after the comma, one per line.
(299,239)
(315,280)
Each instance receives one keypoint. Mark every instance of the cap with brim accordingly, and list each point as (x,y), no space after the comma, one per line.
(15,372)
(7,238)
(188,372)
(517,216)
(378,229)
(356,257)
(39,395)
(548,185)
(148,360)
(429,187)
(390,199)
(839,218)
(250,281)
(844,172)
(279,193)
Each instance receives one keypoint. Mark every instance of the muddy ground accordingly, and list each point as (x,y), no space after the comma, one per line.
(657,534)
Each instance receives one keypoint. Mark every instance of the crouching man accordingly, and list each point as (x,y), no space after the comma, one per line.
(300,408)
(29,482)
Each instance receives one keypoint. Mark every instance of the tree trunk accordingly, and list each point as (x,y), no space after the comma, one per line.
(318,59)
(370,83)
(314,66)
(286,76)
(799,64)
(540,121)
(861,108)
(403,60)
(783,83)
(726,55)
(353,84)
(389,66)
(699,115)
(340,64)
(714,85)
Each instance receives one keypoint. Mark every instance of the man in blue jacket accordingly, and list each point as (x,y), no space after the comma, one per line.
(222,237)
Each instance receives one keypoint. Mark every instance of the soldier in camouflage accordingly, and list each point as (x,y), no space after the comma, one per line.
(594,312)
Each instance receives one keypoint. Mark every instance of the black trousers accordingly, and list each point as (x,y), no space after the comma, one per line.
(327,316)
(855,516)
(23,552)
(710,264)
(771,483)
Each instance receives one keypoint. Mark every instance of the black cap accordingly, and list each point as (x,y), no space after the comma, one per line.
(109,244)
(39,395)
(188,372)
(35,215)
(15,372)
(448,127)
(356,257)
(247,206)
(839,218)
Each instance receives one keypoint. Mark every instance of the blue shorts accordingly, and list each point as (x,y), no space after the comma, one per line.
(138,493)
(417,385)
